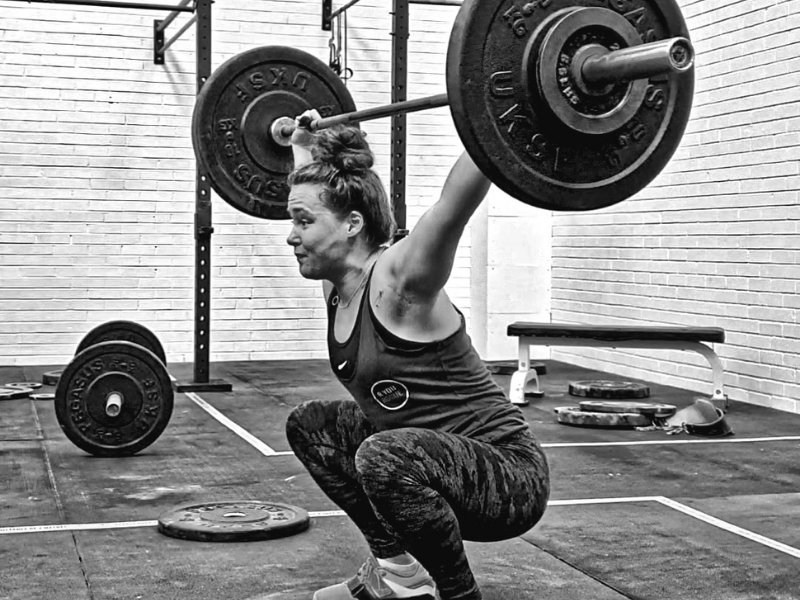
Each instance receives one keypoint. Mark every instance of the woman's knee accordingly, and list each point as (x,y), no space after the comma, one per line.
(304,419)
(388,456)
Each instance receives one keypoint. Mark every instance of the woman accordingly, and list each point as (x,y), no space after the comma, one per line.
(431,452)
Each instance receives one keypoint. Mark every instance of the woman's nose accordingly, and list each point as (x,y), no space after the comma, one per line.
(293,239)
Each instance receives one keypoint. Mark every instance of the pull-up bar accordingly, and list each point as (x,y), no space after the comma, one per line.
(171,16)
(115,4)
(159,27)
(328,14)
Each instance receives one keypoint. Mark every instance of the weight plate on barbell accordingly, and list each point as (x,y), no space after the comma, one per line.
(101,373)
(239,521)
(124,331)
(233,115)
(516,138)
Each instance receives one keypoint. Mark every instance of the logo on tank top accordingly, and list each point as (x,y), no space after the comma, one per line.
(391,395)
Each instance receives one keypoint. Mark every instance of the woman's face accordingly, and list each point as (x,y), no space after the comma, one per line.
(319,237)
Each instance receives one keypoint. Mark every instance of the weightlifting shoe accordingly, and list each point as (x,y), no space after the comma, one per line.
(373,582)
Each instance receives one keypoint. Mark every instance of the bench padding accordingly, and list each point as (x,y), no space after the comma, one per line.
(612,333)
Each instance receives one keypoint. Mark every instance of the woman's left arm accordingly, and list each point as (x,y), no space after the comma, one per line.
(422,262)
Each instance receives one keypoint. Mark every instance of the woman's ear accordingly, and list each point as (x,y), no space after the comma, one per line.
(355,223)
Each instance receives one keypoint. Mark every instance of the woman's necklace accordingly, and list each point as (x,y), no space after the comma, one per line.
(361,284)
(354,294)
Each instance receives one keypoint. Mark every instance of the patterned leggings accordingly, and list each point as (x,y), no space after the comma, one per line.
(422,491)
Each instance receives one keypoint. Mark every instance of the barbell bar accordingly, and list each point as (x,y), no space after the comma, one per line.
(598,68)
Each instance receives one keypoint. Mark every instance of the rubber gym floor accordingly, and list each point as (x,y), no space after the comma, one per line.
(632,514)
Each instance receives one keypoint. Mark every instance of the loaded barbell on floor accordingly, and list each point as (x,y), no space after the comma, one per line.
(115,397)
(563,104)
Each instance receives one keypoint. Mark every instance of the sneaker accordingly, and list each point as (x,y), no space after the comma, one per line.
(373,582)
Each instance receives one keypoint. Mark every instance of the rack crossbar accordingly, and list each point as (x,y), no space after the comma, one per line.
(114,4)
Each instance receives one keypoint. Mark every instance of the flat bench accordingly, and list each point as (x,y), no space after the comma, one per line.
(525,380)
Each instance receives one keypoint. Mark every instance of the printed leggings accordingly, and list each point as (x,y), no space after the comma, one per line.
(422,491)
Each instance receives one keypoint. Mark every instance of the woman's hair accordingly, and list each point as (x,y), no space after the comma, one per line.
(343,165)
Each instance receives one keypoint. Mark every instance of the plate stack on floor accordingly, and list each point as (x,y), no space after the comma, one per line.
(613,404)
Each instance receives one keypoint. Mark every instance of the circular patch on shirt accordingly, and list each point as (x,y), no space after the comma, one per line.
(391,395)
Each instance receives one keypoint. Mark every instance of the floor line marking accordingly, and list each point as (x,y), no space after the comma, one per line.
(237,429)
(75,527)
(785,438)
(312,514)
(735,529)
(589,501)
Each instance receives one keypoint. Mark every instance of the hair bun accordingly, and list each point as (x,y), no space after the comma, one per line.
(344,148)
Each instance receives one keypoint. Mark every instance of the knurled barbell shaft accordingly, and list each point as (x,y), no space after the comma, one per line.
(637,62)
(369,114)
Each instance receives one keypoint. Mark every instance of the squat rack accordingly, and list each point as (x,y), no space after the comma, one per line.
(400,34)
(202,216)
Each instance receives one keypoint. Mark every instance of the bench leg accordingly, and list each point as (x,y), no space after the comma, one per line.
(522,377)
(718,396)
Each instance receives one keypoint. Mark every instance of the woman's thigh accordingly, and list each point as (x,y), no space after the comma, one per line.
(496,491)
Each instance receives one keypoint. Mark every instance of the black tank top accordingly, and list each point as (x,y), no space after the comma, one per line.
(441,385)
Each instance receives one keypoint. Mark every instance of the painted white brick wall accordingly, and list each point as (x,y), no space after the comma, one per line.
(715,239)
(97,177)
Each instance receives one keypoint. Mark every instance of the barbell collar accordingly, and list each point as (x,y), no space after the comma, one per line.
(284,130)
(642,61)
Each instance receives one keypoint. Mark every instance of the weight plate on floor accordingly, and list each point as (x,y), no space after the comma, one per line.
(573,415)
(646,408)
(609,389)
(233,115)
(114,399)
(124,331)
(23,385)
(14,393)
(44,396)
(51,377)
(522,141)
(237,521)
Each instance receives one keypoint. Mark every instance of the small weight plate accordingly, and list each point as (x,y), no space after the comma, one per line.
(51,377)
(237,521)
(24,385)
(517,138)
(233,115)
(124,331)
(509,367)
(573,415)
(44,396)
(14,393)
(651,409)
(609,389)
(96,375)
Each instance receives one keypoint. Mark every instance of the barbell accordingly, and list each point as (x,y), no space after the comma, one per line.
(563,104)
(597,68)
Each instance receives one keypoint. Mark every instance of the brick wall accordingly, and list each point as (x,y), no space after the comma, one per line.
(715,240)
(97,177)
